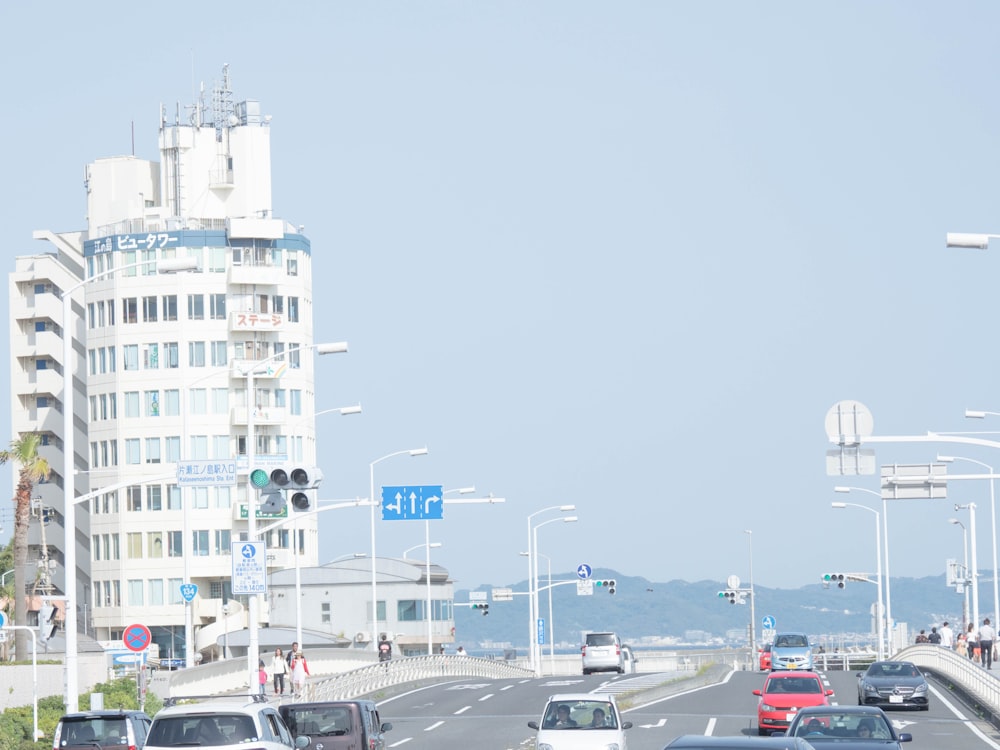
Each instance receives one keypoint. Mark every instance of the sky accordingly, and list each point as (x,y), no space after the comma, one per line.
(624,256)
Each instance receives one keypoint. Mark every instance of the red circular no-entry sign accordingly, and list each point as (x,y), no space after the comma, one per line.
(137,637)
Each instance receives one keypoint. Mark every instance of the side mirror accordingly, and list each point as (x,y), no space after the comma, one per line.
(757,691)
(829,692)
(386,726)
(533,724)
(301,742)
(627,725)
(905,737)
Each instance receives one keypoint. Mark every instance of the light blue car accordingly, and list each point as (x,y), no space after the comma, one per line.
(791,651)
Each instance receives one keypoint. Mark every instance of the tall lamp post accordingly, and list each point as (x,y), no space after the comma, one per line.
(880,635)
(753,614)
(965,568)
(375,503)
(885,568)
(552,629)
(165,265)
(536,650)
(253,648)
(973,572)
(531,586)
(993,527)
(427,545)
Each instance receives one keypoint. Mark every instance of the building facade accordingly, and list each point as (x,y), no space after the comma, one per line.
(161,367)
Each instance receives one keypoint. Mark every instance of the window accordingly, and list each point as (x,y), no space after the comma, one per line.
(133,497)
(131,403)
(112,366)
(278,303)
(102,357)
(151,356)
(155,592)
(197,402)
(154,497)
(217,306)
(133,546)
(173,497)
(131,353)
(223,498)
(294,358)
(409,610)
(220,446)
(155,544)
(132,451)
(91,316)
(172,449)
(171,354)
(91,362)
(152,403)
(196,307)
(220,400)
(149,309)
(170,307)
(153,450)
(199,543)
(216,259)
(296,401)
(171,405)
(223,542)
(324,612)
(175,547)
(293,266)
(42,402)
(130,310)
(293,309)
(218,353)
(174,587)
(196,353)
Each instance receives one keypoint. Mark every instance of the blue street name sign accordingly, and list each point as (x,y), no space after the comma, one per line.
(412,503)
(209,473)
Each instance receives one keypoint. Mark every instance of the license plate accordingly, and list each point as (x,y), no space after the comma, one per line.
(789,716)
(895,699)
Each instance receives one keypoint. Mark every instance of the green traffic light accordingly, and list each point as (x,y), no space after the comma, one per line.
(259,478)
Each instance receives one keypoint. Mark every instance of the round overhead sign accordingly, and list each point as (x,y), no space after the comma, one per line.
(137,637)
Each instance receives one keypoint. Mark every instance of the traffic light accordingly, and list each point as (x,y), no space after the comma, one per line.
(46,621)
(484,608)
(274,481)
(732,596)
(607,585)
(837,578)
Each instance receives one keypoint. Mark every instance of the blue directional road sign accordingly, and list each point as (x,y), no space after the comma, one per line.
(249,573)
(3,620)
(584,571)
(768,622)
(189,591)
(412,503)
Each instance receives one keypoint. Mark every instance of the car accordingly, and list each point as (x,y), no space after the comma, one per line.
(230,722)
(602,652)
(783,694)
(791,651)
(840,728)
(711,742)
(567,723)
(630,663)
(894,684)
(764,658)
(102,729)
(337,725)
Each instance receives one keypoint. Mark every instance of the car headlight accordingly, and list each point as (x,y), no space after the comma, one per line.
(920,689)
(867,687)
(544,746)
(766,707)
(612,746)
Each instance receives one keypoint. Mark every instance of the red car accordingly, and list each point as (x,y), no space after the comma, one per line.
(764,658)
(783,694)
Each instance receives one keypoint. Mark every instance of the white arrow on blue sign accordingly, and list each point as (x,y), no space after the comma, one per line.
(584,571)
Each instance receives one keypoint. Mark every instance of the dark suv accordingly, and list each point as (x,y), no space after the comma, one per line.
(337,725)
(120,730)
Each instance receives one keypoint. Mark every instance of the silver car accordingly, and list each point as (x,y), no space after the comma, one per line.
(791,651)
(581,721)
(602,652)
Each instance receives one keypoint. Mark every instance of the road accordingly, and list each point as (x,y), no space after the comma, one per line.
(446,716)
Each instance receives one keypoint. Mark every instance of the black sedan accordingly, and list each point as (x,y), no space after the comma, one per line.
(893,684)
(847,728)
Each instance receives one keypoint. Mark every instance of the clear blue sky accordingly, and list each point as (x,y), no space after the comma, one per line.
(623,255)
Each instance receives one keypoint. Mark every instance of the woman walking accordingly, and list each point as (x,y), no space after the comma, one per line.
(279,668)
(299,672)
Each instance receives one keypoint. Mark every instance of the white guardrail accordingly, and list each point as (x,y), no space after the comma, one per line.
(980,684)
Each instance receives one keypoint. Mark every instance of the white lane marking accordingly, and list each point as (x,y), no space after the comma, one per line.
(958,714)
(433,726)
(470,686)
(486,697)
(462,710)
(723,681)
(710,728)
(660,723)
(506,687)
(401,742)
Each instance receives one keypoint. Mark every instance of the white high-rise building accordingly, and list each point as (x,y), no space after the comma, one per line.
(161,372)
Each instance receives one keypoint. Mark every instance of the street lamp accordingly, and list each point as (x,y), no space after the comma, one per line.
(374,503)
(433,545)
(531,585)
(339,347)
(885,552)
(427,545)
(536,658)
(164,265)
(993,527)
(973,572)
(552,628)
(973,241)
(965,569)
(878,574)
(753,615)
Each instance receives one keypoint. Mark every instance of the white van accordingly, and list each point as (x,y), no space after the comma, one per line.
(602,652)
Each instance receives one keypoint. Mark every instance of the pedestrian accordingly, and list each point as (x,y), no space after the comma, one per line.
(279,668)
(934,637)
(947,636)
(384,649)
(300,670)
(986,638)
(961,645)
(972,641)
(262,676)
(460,651)
(291,654)
(921,636)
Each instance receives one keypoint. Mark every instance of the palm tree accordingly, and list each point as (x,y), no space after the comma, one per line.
(31,469)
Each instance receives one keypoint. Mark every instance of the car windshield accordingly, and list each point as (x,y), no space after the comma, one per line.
(189,731)
(791,641)
(601,639)
(318,721)
(893,669)
(793,685)
(835,726)
(580,715)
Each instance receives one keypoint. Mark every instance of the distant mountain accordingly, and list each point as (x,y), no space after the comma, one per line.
(642,608)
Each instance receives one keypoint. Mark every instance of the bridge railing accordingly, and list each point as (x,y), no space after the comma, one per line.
(980,684)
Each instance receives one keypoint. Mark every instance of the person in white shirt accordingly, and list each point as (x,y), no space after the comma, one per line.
(986,638)
(947,636)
